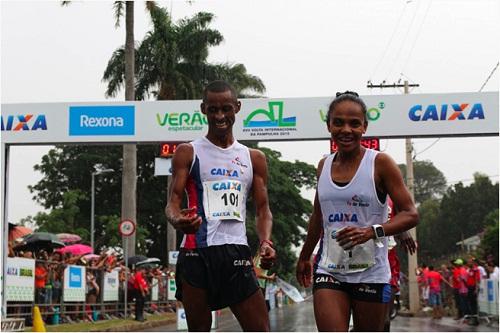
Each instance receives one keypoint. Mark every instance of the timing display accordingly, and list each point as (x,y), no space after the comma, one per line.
(371,143)
(167,149)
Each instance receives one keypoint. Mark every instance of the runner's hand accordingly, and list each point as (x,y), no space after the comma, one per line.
(188,221)
(407,242)
(351,236)
(267,255)
(304,272)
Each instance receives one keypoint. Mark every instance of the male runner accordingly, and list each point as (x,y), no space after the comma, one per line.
(214,268)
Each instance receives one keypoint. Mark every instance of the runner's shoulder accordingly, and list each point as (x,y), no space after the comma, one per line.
(257,156)
(184,153)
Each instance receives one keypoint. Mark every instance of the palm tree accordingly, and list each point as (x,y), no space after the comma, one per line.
(129,167)
(171,61)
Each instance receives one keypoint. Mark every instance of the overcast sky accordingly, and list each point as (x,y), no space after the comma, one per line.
(308,48)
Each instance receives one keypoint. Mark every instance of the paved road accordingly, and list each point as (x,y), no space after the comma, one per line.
(300,318)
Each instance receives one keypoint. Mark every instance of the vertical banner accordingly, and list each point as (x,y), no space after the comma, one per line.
(172,257)
(20,280)
(182,322)
(74,284)
(110,286)
(154,290)
(172,288)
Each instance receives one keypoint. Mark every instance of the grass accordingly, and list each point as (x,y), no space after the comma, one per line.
(103,325)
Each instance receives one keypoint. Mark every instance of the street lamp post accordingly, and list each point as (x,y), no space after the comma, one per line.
(92,190)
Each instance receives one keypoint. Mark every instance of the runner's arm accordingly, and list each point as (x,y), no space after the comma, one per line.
(263,216)
(186,220)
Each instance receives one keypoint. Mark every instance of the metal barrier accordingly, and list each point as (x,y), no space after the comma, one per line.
(69,295)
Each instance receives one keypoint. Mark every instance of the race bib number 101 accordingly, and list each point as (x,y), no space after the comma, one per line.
(224,199)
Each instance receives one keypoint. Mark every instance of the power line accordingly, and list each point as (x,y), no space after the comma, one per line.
(468,180)
(428,147)
(390,41)
(489,76)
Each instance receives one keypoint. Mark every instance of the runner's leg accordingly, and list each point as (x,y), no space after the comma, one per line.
(369,316)
(331,310)
(195,301)
(252,313)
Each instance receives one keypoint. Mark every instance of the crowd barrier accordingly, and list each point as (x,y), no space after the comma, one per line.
(487,298)
(68,298)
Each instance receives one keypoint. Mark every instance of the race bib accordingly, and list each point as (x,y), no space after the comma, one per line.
(224,200)
(337,260)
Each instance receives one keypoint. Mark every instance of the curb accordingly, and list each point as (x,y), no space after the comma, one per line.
(138,326)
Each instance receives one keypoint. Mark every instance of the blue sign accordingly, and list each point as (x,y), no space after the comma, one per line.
(102,120)
(491,291)
(75,277)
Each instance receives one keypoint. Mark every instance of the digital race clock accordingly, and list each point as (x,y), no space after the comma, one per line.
(372,143)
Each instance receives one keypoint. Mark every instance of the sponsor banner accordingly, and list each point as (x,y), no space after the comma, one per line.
(290,290)
(163,166)
(182,322)
(13,325)
(110,286)
(154,289)
(74,284)
(278,119)
(20,282)
(172,257)
(172,288)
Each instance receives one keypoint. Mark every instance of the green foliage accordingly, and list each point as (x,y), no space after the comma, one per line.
(428,180)
(290,211)
(489,243)
(171,61)
(462,213)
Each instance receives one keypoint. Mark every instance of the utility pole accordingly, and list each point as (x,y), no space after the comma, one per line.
(412,259)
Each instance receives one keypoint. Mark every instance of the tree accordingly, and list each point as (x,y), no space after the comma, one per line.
(489,243)
(429,182)
(171,61)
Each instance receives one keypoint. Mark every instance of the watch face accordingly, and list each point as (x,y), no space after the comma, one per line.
(379,231)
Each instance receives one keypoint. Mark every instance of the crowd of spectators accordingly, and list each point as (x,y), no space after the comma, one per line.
(455,286)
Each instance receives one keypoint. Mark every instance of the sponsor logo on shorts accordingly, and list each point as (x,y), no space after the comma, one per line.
(326,279)
(192,254)
(366,289)
(242,262)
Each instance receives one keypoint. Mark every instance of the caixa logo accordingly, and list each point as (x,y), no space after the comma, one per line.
(446,112)
(102,120)
(27,122)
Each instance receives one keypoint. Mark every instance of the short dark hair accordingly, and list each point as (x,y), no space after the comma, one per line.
(219,86)
(346,96)
(431,268)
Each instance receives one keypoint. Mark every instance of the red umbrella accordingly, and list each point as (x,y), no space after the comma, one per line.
(18,231)
(76,249)
(69,238)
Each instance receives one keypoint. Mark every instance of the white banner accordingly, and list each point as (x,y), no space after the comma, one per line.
(182,322)
(172,288)
(20,282)
(74,284)
(111,286)
(290,290)
(154,289)
(172,257)
(390,116)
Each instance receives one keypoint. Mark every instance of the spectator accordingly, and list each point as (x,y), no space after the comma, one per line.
(481,266)
(92,289)
(434,280)
(459,288)
(446,287)
(40,277)
(472,282)
(492,271)
(141,290)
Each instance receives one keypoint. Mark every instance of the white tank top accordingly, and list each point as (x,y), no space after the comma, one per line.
(218,185)
(355,204)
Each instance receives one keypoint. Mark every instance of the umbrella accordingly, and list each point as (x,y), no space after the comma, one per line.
(69,238)
(135,259)
(91,256)
(18,231)
(39,240)
(76,249)
(149,262)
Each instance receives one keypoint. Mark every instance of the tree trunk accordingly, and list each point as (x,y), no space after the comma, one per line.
(129,176)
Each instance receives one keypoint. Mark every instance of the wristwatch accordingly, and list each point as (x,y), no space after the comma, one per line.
(378,230)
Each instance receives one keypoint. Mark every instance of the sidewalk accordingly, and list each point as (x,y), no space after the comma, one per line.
(114,325)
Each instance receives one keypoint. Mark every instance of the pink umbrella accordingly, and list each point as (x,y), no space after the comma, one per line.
(76,249)
(69,238)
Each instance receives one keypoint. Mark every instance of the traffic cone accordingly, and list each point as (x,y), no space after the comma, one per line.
(38,325)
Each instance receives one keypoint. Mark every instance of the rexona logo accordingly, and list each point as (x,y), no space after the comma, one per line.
(446,112)
(102,120)
(271,122)
(25,122)
(372,113)
(182,121)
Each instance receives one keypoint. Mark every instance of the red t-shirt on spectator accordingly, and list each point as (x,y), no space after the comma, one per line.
(140,281)
(473,276)
(434,279)
(459,275)
(40,275)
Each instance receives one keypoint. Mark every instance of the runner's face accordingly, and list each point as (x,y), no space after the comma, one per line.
(220,109)
(347,125)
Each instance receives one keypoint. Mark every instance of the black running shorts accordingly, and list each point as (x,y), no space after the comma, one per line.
(225,271)
(368,292)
